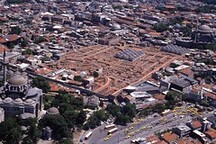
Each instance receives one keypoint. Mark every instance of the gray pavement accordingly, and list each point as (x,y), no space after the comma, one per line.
(119,137)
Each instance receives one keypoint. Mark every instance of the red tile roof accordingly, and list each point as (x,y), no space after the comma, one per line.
(196,124)
(210,95)
(2,48)
(12,37)
(187,71)
(168,137)
(181,141)
(153,138)
(2,40)
(43,71)
(159,96)
(54,87)
(211,133)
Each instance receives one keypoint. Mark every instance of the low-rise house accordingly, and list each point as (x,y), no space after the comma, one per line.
(154,140)
(211,134)
(195,95)
(92,101)
(199,135)
(182,130)
(187,72)
(211,97)
(33,61)
(195,125)
(181,85)
(212,119)
(170,138)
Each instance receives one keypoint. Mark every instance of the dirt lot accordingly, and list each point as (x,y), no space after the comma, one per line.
(117,73)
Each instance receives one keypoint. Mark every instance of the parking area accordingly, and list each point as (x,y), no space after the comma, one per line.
(140,128)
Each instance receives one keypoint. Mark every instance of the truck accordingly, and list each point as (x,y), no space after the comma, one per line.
(110,126)
(87,136)
(112,130)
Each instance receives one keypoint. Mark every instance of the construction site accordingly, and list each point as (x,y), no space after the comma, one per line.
(122,65)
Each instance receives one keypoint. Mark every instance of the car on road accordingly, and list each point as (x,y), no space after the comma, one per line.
(106,138)
(137,130)
(130,128)
(143,128)
(126,130)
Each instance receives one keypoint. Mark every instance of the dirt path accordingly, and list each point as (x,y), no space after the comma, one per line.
(150,73)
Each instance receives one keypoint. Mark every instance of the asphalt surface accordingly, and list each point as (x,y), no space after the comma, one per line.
(157,125)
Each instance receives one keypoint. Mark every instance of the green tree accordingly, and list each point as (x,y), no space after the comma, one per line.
(57,123)
(161,27)
(17,1)
(10,131)
(78,78)
(210,2)
(205,9)
(113,109)
(70,117)
(27,140)
(41,83)
(95,74)
(27,51)
(102,115)
(186,31)
(48,100)
(65,141)
(159,108)
(81,118)
(96,118)
(204,103)
(70,107)
(68,101)
(146,112)
(45,58)
(173,96)
(15,30)
(24,43)
(33,133)
(176,20)
(129,109)
(10,45)
(122,119)
(39,39)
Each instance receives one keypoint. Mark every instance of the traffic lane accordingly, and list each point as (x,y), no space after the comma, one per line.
(120,134)
(156,128)
(175,121)
(97,133)
(154,122)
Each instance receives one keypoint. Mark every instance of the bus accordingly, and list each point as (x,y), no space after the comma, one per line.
(88,135)
(110,126)
(112,130)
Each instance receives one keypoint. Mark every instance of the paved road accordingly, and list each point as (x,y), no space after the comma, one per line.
(99,133)
(162,126)
(120,136)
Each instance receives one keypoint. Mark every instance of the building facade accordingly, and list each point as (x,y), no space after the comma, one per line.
(18,97)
